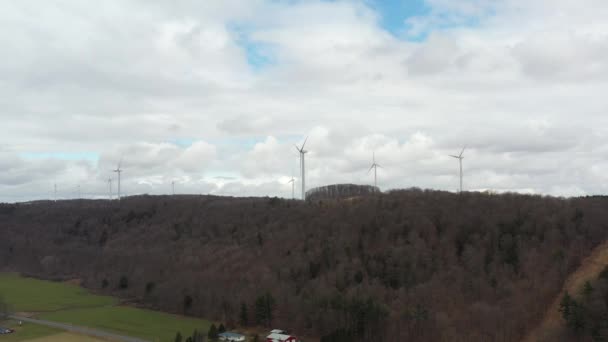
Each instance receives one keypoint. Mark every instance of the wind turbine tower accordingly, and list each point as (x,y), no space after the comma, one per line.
(173,187)
(293,187)
(118,170)
(374,166)
(303,152)
(110,187)
(55,191)
(460,157)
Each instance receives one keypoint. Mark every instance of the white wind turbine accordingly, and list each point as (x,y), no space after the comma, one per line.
(374,166)
(118,170)
(303,152)
(173,187)
(110,187)
(460,157)
(293,186)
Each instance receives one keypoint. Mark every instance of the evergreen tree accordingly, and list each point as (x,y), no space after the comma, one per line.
(576,320)
(178,337)
(264,307)
(565,305)
(587,290)
(197,336)
(187,303)
(221,329)
(244,315)
(212,334)
(123,283)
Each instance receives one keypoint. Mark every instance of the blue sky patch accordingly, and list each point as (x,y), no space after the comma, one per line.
(394,13)
(182,142)
(259,54)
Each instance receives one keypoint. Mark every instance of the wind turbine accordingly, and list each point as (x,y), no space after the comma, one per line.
(110,187)
(118,170)
(173,187)
(374,166)
(78,186)
(460,157)
(293,187)
(303,152)
(55,189)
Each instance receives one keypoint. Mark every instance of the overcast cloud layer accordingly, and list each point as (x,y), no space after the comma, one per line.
(214,94)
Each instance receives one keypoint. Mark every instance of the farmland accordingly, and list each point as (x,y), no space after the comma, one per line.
(33,295)
(68,303)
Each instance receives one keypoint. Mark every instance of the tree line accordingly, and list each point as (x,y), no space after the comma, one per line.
(405,265)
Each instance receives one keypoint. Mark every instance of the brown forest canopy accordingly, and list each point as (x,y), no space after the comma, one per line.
(418,265)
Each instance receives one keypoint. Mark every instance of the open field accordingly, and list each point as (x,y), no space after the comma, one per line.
(28,294)
(68,303)
(28,332)
(152,325)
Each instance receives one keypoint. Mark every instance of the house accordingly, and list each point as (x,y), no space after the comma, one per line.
(278,335)
(230,336)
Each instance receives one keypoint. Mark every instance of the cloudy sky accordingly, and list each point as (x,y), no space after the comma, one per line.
(214,94)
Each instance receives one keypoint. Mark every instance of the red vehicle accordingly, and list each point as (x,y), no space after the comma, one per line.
(281,336)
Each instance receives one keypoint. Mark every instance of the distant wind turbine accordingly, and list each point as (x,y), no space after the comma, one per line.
(118,170)
(374,166)
(293,187)
(460,157)
(110,187)
(303,152)
(78,186)
(55,191)
(173,187)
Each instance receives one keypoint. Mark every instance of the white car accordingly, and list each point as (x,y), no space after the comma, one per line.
(278,335)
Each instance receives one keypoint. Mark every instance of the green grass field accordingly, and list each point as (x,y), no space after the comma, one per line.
(28,294)
(62,302)
(27,332)
(147,324)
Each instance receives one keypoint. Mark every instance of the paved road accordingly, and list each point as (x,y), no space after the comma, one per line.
(80,330)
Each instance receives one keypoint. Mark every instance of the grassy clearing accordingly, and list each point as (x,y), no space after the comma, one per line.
(27,332)
(33,295)
(66,337)
(67,303)
(147,324)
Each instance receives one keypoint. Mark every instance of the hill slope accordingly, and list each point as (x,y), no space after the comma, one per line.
(428,266)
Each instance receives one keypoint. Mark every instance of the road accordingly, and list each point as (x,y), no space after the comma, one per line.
(80,330)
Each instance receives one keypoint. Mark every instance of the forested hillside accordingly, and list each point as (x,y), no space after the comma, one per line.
(415,265)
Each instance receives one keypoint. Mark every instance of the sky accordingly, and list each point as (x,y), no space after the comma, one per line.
(213,95)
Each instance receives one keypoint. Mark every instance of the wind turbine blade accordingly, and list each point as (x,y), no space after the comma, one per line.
(453,156)
(461,152)
(371,167)
(380,166)
(304,142)
(297,148)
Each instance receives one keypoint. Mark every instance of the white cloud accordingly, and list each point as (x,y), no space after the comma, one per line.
(521,83)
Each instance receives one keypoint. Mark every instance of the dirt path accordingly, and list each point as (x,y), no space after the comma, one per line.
(80,330)
(590,268)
